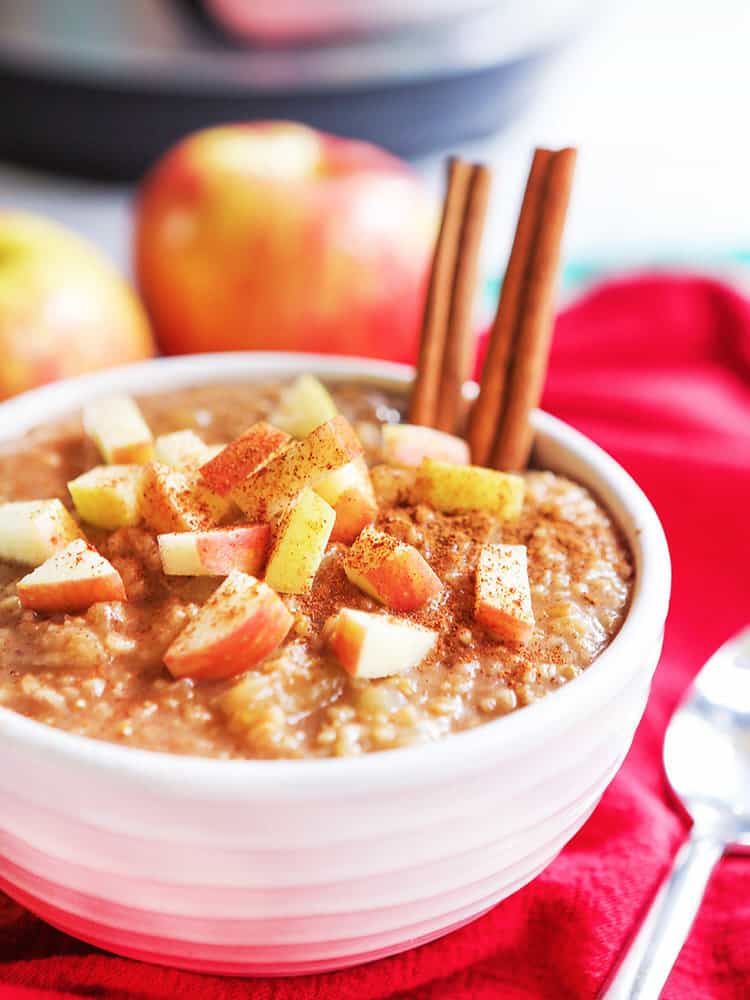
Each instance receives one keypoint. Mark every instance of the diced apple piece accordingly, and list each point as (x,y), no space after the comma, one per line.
(394,487)
(117,427)
(108,496)
(349,491)
(304,405)
(242,457)
(33,530)
(409,444)
(452,488)
(269,491)
(376,645)
(71,580)
(394,573)
(240,624)
(300,543)
(502,601)
(182,450)
(215,553)
(219,508)
(178,501)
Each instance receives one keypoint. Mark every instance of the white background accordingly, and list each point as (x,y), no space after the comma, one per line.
(657,97)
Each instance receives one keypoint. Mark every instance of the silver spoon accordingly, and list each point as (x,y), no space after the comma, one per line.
(707,762)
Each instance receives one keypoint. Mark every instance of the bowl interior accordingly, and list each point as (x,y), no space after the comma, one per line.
(558,447)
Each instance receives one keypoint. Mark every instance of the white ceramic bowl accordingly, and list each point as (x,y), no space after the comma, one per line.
(281,867)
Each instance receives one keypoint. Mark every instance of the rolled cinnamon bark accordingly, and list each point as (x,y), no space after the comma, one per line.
(459,343)
(424,396)
(530,353)
(488,408)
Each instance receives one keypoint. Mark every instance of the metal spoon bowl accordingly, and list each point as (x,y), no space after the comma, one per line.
(707,763)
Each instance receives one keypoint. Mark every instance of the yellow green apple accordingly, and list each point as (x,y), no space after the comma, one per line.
(63,308)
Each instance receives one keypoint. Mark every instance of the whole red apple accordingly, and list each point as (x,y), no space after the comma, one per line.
(273,236)
(63,308)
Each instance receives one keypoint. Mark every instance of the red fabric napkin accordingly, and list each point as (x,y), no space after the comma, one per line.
(657,370)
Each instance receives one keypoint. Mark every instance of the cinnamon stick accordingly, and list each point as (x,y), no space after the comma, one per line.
(488,407)
(535,312)
(425,392)
(459,342)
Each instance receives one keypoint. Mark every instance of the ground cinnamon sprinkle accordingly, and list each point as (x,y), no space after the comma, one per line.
(299,701)
(243,456)
(451,544)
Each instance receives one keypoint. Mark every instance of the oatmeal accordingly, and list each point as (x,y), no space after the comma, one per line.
(144,665)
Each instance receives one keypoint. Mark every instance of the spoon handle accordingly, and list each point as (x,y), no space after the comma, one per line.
(645,967)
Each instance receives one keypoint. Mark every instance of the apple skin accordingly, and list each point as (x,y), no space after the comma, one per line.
(71,580)
(391,571)
(240,624)
(64,310)
(171,501)
(273,236)
(242,457)
(216,552)
(77,595)
(264,495)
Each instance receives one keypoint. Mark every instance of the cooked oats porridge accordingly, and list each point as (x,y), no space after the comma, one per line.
(258,571)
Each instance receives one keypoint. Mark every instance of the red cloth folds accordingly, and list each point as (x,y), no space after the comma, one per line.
(657,370)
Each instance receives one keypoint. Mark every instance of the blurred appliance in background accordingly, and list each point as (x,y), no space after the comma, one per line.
(102,87)
(294,20)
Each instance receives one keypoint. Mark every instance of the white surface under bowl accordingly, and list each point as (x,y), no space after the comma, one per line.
(282,867)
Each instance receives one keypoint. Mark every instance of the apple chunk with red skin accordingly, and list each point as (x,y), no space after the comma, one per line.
(394,573)
(215,553)
(71,580)
(349,491)
(409,444)
(376,645)
(242,457)
(240,624)
(171,500)
(502,601)
(268,492)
